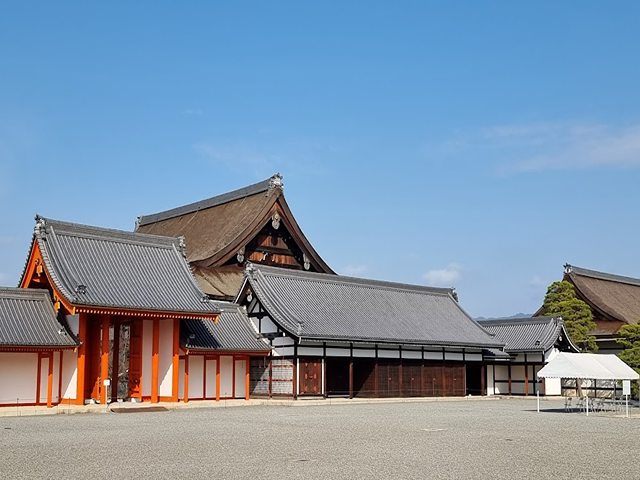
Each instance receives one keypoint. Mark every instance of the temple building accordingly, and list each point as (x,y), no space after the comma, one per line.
(227,298)
(531,343)
(614,301)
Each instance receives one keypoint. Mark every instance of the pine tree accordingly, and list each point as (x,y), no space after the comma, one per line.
(561,301)
(630,340)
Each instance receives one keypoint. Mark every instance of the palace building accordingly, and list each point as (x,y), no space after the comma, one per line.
(614,301)
(227,298)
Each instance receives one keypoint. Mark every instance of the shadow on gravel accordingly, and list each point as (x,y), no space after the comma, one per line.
(138,409)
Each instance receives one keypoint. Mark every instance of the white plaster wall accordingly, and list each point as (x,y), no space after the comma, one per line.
(282,341)
(241,366)
(147,348)
(55,394)
(412,354)
(473,357)
(338,352)
(196,373)
(453,356)
(18,377)
(74,323)
(226,376)
(490,390)
(286,351)
(211,378)
(181,379)
(69,374)
(165,360)
(388,353)
(310,351)
(266,324)
(433,355)
(44,379)
(364,353)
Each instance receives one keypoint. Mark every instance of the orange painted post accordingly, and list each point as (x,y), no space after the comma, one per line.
(155,347)
(104,359)
(82,349)
(247,380)
(186,379)
(175,380)
(218,378)
(50,382)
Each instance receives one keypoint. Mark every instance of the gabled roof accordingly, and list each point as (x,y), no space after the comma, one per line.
(233,332)
(615,296)
(113,269)
(534,334)
(27,319)
(332,307)
(216,228)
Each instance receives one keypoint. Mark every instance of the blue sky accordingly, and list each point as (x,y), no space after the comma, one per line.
(472,144)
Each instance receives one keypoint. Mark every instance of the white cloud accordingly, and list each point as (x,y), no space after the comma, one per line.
(444,277)
(237,157)
(542,146)
(537,281)
(355,270)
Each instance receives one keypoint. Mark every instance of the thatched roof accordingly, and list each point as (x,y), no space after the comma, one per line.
(614,297)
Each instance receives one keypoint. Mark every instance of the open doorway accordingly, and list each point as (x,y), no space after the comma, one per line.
(474,379)
(337,376)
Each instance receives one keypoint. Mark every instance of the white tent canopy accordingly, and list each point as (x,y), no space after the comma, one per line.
(587,366)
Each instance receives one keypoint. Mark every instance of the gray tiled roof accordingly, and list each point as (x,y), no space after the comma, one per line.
(535,334)
(27,319)
(100,267)
(233,332)
(208,203)
(333,307)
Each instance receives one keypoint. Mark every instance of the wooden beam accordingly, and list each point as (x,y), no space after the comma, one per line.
(186,379)
(233,377)
(247,378)
(376,391)
(104,359)
(155,347)
(175,366)
(50,382)
(270,375)
(82,358)
(526,376)
(509,370)
(351,371)
(115,361)
(218,378)
(295,371)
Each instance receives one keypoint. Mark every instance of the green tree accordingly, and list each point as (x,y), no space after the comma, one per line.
(561,301)
(630,340)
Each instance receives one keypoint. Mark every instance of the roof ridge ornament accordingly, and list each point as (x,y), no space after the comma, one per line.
(182,246)
(276,182)
(454,294)
(275,221)
(40,226)
(249,270)
(568,268)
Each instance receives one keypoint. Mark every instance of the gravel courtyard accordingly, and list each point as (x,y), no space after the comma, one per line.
(452,439)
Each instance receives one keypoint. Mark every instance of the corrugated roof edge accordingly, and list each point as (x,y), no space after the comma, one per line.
(247,191)
(514,320)
(251,270)
(107,234)
(332,278)
(79,229)
(585,272)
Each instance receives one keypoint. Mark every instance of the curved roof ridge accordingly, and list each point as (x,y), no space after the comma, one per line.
(585,272)
(254,189)
(92,231)
(363,282)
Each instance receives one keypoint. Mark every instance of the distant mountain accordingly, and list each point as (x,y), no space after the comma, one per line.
(516,315)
